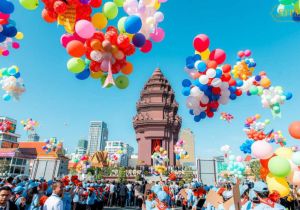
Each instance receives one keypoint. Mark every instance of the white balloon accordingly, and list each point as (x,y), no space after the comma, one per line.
(204,99)
(159,17)
(216,82)
(196,92)
(191,102)
(203,79)
(211,73)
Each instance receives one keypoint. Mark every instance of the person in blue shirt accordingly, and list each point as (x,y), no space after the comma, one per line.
(90,202)
(20,201)
(67,199)
(33,199)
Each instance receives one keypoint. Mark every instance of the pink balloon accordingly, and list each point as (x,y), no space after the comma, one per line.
(262,150)
(84,29)
(201,42)
(65,39)
(239,159)
(5,53)
(15,45)
(4,16)
(158,35)
(218,55)
(162,1)
(105,65)
(147,46)
(247,53)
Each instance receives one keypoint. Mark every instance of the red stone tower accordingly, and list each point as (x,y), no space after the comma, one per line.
(156,122)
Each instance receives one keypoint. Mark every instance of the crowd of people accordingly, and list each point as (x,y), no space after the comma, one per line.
(161,195)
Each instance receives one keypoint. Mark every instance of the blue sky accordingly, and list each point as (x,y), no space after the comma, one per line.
(55,97)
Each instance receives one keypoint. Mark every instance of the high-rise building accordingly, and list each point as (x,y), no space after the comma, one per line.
(113,147)
(189,145)
(98,134)
(8,137)
(156,122)
(82,147)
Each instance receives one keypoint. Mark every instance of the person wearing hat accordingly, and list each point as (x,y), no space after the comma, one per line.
(54,202)
(19,200)
(90,201)
(67,198)
(33,199)
(76,198)
(262,193)
(227,194)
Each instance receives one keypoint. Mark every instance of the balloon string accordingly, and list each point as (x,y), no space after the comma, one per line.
(109,79)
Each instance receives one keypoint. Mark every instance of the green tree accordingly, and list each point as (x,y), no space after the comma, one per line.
(122,175)
(255,168)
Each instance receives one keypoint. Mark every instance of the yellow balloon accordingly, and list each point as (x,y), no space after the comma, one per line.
(156,5)
(99,21)
(284,152)
(129,35)
(19,36)
(204,55)
(96,75)
(278,184)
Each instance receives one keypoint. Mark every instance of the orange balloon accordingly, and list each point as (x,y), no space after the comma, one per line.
(127,69)
(294,129)
(264,173)
(47,17)
(96,44)
(76,48)
(265,82)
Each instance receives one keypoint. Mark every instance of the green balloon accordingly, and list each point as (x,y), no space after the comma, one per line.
(102,79)
(119,3)
(260,90)
(253,90)
(121,24)
(286,2)
(29,4)
(279,166)
(110,10)
(76,65)
(122,82)
(297,7)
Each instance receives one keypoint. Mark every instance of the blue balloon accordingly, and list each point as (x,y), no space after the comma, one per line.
(218,73)
(2,38)
(197,118)
(83,75)
(232,96)
(133,24)
(6,97)
(139,40)
(9,31)
(200,66)
(17,75)
(257,78)
(197,83)
(232,89)
(215,97)
(6,7)
(12,22)
(186,83)
(239,83)
(196,57)
(288,95)
(202,115)
(189,62)
(191,112)
(186,91)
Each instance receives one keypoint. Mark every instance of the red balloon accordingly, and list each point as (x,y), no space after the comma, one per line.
(232,82)
(211,64)
(95,66)
(218,55)
(75,48)
(201,42)
(226,68)
(294,129)
(95,3)
(210,114)
(225,77)
(48,16)
(238,92)
(265,162)
(60,7)
(216,90)
(147,47)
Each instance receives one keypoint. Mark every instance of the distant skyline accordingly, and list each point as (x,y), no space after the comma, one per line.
(64,106)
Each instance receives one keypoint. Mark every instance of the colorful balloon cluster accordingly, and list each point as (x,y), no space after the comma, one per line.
(6,126)
(83,165)
(160,158)
(246,146)
(52,145)
(180,152)
(289,8)
(116,157)
(236,167)
(226,117)
(255,129)
(29,124)
(101,54)
(8,31)
(212,83)
(12,83)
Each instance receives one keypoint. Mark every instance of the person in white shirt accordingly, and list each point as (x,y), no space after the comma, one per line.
(54,202)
